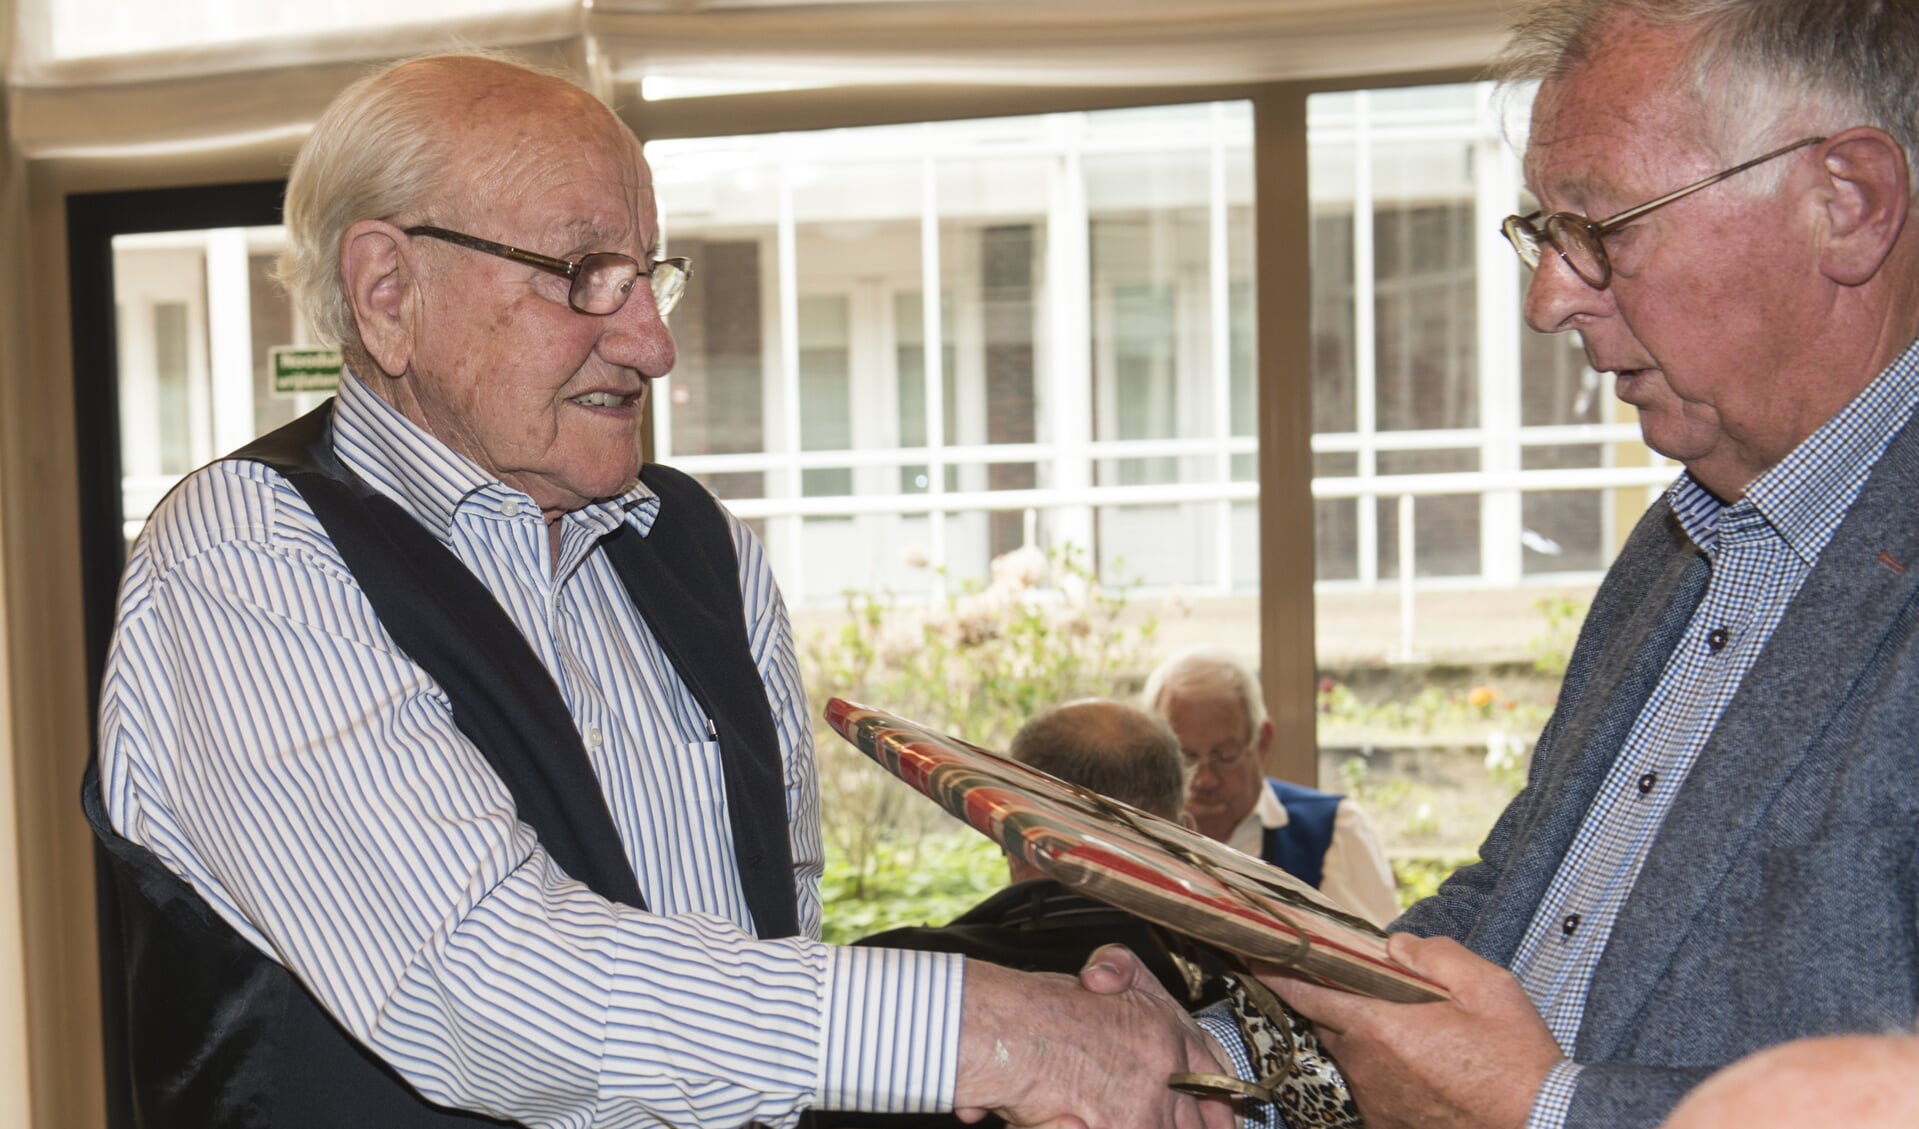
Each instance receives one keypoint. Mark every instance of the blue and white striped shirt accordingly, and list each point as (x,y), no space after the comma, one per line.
(1761,549)
(263,736)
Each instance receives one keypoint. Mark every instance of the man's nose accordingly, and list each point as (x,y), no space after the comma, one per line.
(1557,299)
(635,336)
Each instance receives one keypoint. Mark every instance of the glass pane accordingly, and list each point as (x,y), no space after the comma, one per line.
(915,379)
(197,314)
(1424,300)
(1335,380)
(717,396)
(1092,281)
(174,387)
(826,391)
(1173,349)
(1565,530)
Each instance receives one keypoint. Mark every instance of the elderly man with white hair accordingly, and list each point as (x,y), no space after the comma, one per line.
(455,768)
(1215,706)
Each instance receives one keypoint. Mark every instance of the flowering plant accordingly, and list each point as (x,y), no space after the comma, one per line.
(977,663)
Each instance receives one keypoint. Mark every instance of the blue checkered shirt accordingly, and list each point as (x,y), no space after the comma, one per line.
(1761,549)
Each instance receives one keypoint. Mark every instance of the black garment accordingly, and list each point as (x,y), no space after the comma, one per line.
(1040,926)
(218,1036)
(1034,926)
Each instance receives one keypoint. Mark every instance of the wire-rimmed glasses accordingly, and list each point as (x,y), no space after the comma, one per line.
(1578,239)
(600,281)
(1224,757)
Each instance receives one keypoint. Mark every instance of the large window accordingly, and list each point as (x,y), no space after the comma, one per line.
(938,343)
(1430,401)
(196,316)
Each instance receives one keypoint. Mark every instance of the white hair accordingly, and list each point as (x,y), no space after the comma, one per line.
(1207,672)
(380,150)
(1766,72)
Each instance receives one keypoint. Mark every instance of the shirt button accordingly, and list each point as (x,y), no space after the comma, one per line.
(1570,925)
(511,508)
(1647,781)
(1717,638)
(593,737)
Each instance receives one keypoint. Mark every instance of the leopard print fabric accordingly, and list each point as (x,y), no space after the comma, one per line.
(1302,1079)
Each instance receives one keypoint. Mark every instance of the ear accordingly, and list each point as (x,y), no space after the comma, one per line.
(378,276)
(1866,198)
(1265,741)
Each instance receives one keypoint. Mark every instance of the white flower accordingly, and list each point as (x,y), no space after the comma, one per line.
(1024,567)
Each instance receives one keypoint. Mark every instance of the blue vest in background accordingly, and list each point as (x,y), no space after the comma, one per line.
(1299,848)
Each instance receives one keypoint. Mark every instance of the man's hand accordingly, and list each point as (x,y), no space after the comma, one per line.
(1473,1062)
(1042,1049)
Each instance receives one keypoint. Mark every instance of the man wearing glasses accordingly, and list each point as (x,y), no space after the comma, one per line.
(1213,703)
(455,769)
(1718,847)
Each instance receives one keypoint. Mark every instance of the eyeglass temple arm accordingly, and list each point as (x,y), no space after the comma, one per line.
(505,251)
(1612,222)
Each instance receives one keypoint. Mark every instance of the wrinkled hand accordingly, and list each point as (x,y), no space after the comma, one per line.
(1045,1050)
(1473,1062)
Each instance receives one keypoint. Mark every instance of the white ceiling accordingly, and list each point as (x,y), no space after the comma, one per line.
(218,90)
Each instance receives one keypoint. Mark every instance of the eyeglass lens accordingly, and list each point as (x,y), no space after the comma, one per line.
(1580,247)
(604,280)
(1573,240)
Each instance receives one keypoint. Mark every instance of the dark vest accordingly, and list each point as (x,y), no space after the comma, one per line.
(1299,848)
(216,1034)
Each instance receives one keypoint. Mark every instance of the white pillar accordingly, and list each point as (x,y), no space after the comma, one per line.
(230,339)
(1496,190)
(1069,303)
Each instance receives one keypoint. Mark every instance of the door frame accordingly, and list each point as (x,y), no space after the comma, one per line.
(93,220)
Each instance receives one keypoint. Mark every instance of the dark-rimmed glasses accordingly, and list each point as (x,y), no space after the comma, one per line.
(1578,239)
(600,281)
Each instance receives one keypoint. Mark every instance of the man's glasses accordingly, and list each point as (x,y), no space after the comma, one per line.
(1223,758)
(601,281)
(1578,239)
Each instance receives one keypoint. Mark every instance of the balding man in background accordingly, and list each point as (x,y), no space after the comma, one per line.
(1035,923)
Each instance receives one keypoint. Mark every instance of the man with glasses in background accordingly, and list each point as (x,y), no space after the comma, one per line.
(1718,846)
(455,769)
(1215,707)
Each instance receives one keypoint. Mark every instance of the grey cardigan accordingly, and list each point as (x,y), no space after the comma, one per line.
(1778,900)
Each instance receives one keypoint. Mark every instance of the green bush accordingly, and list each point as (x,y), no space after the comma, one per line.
(1419,876)
(976,664)
(928,882)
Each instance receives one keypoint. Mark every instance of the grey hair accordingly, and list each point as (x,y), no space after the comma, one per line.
(379,150)
(1760,68)
(1112,748)
(1207,672)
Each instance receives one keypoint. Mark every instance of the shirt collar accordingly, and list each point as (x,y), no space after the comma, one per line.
(1806,494)
(1249,837)
(432,481)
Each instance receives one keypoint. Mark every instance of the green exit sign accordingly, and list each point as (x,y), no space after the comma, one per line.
(303,368)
